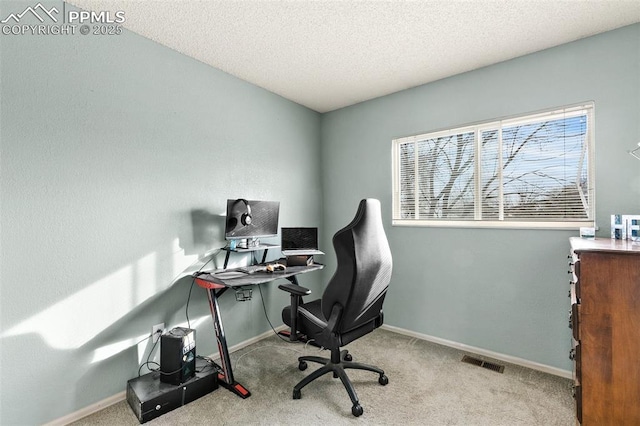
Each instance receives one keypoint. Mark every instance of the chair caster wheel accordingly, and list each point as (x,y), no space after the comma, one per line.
(357,410)
(383,380)
(297,394)
(348,357)
(302,365)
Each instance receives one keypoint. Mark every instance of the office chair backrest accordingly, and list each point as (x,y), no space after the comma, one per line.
(363,273)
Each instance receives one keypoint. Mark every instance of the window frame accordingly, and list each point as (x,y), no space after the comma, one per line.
(585,108)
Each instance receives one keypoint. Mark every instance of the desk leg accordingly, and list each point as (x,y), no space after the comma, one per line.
(293,334)
(226,377)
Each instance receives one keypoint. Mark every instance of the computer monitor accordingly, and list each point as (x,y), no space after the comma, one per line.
(251,219)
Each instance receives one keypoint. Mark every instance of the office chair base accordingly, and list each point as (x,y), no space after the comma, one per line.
(339,362)
(298,337)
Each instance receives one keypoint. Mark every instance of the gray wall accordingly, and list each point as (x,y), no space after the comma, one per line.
(496,289)
(108,144)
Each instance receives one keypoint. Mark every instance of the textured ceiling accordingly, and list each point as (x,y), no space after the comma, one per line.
(330,54)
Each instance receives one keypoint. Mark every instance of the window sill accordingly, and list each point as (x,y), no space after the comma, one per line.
(493,224)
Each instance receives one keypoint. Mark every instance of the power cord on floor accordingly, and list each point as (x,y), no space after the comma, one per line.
(301,352)
(264,308)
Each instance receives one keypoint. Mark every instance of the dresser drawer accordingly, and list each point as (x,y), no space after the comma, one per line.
(576,356)
(577,394)
(574,271)
(574,286)
(576,279)
(605,323)
(574,320)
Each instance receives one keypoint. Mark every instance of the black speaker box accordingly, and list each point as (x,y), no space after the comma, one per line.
(150,398)
(177,355)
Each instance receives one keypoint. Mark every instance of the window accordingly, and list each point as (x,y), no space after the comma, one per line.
(528,171)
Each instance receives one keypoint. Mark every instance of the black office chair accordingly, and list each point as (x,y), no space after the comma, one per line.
(351,305)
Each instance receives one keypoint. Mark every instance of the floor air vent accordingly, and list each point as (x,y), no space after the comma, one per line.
(484,364)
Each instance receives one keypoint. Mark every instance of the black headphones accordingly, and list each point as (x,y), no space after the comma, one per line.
(246,218)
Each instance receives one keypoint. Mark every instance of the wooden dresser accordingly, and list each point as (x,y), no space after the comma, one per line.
(605,322)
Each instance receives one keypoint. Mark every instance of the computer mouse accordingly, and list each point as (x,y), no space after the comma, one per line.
(272,267)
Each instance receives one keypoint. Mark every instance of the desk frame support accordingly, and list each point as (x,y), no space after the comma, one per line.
(226,377)
(215,290)
(264,255)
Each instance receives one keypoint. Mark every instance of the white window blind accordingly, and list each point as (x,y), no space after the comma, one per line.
(532,170)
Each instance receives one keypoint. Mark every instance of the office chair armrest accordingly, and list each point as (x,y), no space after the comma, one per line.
(329,338)
(294,289)
(296,292)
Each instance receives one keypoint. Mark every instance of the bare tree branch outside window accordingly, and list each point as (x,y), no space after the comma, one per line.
(536,169)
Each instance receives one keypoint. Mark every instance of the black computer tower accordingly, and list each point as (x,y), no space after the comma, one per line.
(177,355)
(150,398)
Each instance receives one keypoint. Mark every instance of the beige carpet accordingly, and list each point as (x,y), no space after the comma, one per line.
(428,385)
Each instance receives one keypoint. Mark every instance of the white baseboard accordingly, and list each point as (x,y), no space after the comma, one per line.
(87,411)
(121,396)
(484,352)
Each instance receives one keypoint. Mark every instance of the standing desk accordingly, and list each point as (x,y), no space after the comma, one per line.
(216,283)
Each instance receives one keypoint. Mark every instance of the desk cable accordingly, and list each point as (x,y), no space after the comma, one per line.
(209,361)
(264,308)
(193,281)
(303,351)
(148,362)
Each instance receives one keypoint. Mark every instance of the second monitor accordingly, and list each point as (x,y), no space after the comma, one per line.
(299,241)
